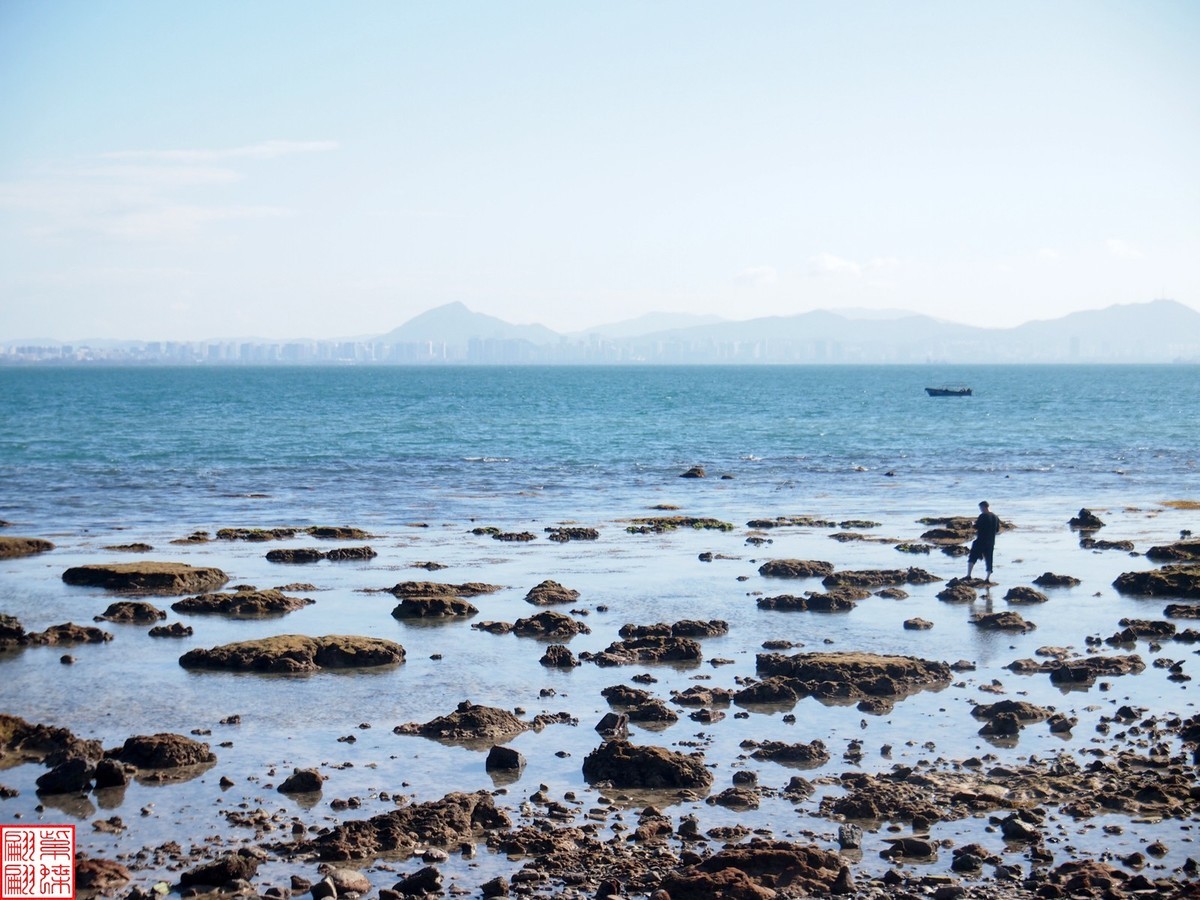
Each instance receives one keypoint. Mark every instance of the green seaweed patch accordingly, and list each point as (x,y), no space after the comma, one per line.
(661,524)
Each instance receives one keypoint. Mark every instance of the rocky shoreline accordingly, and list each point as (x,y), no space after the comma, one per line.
(598,840)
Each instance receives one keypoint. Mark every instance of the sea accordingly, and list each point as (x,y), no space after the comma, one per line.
(426,459)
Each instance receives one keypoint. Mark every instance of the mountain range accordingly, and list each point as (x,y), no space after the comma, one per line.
(1155,331)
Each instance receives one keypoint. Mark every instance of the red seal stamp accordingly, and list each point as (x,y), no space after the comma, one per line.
(37,862)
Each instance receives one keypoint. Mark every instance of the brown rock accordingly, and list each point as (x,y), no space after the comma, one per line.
(297,653)
(243,604)
(100,875)
(551,625)
(802,755)
(549,593)
(795,568)
(163,751)
(873,578)
(852,675)
(435,589)
(757,870)
(1022,594)
(1049,579)
(439,607)
(645,650)
(12,547)
(448,822)
(469,723)
(233,867)
(147,577)
(302,781)
(135,611)
(624,765)
(1182,581)
(1180,550)
(69,633)
(1002,621)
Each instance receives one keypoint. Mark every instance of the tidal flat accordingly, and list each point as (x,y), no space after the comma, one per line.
(987,775)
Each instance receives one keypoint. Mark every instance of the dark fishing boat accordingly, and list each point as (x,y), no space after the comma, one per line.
(949,390)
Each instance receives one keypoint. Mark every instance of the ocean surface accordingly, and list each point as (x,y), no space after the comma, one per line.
(93,458)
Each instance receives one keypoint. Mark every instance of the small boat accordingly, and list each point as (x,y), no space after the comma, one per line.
(949,390)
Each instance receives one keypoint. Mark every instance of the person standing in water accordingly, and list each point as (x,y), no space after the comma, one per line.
(987,526)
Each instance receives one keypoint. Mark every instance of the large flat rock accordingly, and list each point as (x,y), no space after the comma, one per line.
(147,577)
(12,547)
(297,653)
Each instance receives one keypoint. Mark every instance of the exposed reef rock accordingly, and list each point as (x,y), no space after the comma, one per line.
(469,723)
(1180,550)
(682,628)
(855,676)
(646,650)
(242,604)
(795,568)
(549,593)
(443,607)
(761,870)
(661,524)
(296,653)
(873,578)
(12,547)
(804,755)
(135,611)
(563,534)
(1049,579)
(455,819)
(551,625)
(1182,581)
(624,765)
(1086,520)
(163,751)
(147,577)
(434,589)
(1022,594)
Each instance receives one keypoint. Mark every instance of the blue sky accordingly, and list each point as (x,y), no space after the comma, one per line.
(300,169)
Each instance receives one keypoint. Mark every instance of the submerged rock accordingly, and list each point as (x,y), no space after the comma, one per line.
(147,577)
(296,653)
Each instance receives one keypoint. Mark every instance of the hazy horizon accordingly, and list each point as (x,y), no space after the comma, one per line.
(278,171)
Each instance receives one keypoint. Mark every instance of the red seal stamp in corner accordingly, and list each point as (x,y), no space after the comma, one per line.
(37,862)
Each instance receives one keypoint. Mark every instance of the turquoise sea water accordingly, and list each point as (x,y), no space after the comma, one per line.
(88,447)
(419,457)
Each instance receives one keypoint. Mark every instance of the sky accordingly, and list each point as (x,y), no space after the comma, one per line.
(193,170)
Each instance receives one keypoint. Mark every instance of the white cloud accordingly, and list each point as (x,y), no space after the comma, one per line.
(757,276)
(262,150)
(142,195)
(826,264)
(1048,253)
(1122,249)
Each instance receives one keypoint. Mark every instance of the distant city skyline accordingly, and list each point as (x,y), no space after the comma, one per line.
(280,171)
